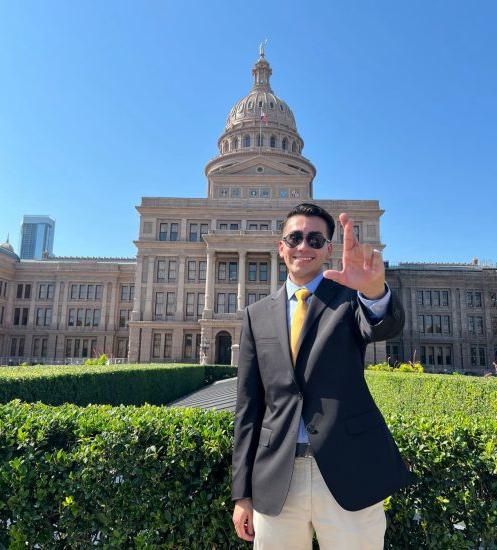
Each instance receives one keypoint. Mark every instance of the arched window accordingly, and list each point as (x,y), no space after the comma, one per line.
(250,105)
(272,142)
(246,140)
(294,147)
(284,144)
(271,105)
(260,140)
(225,146)
(235,144)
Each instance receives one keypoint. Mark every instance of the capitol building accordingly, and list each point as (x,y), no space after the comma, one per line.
(200,261)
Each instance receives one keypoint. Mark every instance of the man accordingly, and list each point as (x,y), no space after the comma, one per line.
(312,451)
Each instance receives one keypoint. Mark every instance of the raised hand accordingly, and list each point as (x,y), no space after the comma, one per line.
(362,266)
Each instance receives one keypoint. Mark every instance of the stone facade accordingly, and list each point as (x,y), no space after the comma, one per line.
(200,261)
(451,316)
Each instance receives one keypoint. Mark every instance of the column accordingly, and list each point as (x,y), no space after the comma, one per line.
(147,316)
(182,232)
(241,279)
(136,313)
(55,303)
(103,308)
(274,271)
(181,289)
(209,283)
(112,309)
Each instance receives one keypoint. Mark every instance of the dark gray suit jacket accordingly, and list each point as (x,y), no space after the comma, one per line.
(352,444)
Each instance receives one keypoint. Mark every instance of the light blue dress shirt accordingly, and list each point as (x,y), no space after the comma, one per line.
(377,309)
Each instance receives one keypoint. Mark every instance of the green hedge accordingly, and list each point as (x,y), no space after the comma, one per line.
(155,477)
(434,394)
(112,385)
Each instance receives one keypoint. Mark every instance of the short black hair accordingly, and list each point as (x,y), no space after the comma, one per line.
(308,209)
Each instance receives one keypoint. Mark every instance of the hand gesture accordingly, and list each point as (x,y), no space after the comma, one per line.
(362,266)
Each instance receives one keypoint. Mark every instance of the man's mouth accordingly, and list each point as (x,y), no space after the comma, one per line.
(303,258)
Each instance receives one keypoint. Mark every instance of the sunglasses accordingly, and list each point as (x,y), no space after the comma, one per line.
(315,239)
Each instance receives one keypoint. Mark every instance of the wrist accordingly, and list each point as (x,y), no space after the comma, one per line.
(374,293)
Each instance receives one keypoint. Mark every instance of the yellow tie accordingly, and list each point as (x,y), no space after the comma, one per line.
(298,319)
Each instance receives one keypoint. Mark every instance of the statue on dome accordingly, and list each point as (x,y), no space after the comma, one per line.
(262,46)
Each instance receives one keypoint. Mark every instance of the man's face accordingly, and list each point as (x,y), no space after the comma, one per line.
(303,262)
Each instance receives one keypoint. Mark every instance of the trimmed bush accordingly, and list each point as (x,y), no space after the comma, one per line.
(154,477)
(112,384)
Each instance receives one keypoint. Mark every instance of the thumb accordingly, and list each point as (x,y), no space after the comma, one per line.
(250,523)
(334,275)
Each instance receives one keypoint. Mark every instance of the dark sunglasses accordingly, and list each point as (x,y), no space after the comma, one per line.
(314,239)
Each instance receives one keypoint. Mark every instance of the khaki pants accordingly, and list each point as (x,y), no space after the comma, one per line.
(311,507)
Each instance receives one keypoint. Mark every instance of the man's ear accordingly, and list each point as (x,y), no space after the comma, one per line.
(280,249)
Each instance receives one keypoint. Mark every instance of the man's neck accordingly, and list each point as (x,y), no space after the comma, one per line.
(305,281)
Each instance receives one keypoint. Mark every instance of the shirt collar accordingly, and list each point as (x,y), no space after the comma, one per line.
(291,287)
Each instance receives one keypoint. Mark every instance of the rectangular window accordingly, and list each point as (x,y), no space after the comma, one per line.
(448,355)
(124,293)
(171,303)
(20,351)
(161,270)
(96,317)
(124,316)
(439,356)
(91,292)
(13,347)
(172,271)
(74,292)
(220,302)
(192,270)
(479,325)
(122,347)
(200,304)
(84,348)
(20,289)
(446,324)
(88,318)
(71,319)
(202,267)
(233,226)
(80,318)
(263,271)
(223,226)
(46,291)
(477,299)
(168,344)
(281,273)
(435,298)
(17,315)
(83,292)
(68,349)
(204,229)
(193,236)
(231,302)
(437,324)
(419,297)
(188,346)
(190,303)
(173,235)
(469,299)
(163,230)
(159,304)
(156,346)
(233,271)
(25,312)
(251,298)
(429,324)
(221,271)
(252,271)
(494,325)
(482,355)
(445,298)
(77,344)
(36,347)
(493,299)
(426,298)
(98,292)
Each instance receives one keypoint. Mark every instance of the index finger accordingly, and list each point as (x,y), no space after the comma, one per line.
(349,238)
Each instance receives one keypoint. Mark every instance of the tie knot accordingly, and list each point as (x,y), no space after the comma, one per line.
(302,294)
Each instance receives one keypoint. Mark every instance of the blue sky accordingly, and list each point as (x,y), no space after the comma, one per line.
(102,103)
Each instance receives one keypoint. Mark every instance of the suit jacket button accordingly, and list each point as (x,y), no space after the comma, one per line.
(311,429)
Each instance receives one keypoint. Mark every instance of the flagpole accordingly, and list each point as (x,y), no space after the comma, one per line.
(260,132)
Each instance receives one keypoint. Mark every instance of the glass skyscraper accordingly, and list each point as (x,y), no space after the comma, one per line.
(37,233)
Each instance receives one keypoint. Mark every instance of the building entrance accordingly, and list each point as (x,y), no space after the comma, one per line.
(223,348)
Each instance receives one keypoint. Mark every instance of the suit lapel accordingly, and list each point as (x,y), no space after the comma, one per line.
(319,301)
(279,312)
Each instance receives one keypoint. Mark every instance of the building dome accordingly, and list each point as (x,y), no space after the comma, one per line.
(261,101)
(7,246)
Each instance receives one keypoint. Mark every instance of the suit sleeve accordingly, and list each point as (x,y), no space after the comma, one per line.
(387,327)
(249,413)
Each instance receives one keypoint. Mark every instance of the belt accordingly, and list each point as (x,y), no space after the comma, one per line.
(303,450)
